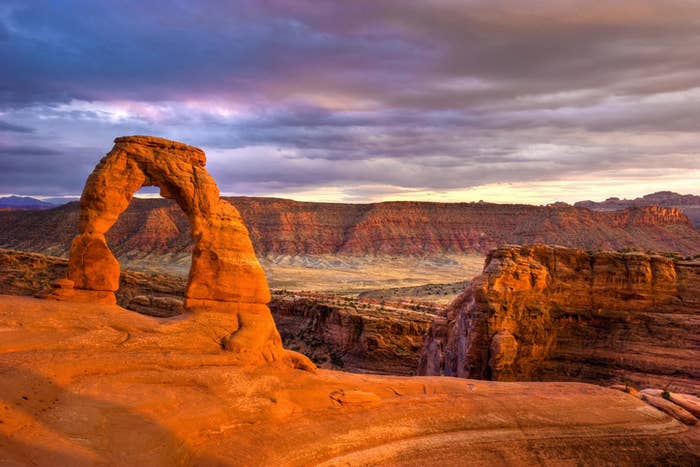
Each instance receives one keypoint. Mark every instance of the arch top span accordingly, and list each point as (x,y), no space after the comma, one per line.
(160,143)
(224,266)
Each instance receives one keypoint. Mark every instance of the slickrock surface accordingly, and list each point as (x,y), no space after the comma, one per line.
(84,384)
(552,313)
(158,229)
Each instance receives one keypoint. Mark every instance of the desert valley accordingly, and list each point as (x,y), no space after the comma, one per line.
(389,301)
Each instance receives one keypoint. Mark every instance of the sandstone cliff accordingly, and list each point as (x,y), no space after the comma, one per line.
(362,336)
(158,229)
(552,313)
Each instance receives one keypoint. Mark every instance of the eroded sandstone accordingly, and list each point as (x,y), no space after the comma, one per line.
(84,384)
(225,276)
(573,315)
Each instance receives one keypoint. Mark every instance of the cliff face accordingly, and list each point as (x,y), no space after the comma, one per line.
(552,313)
(158,229)
(357,336)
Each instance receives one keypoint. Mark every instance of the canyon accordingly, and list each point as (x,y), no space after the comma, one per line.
(362,335)
(543,313)
(605,318)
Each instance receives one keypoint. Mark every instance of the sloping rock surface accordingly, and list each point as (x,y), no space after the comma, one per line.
(84,384)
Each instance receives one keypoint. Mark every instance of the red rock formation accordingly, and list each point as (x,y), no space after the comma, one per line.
(418,228)
(85,384)
(352,335)
(225,275)
(159,230)
(552,313)
(224,266)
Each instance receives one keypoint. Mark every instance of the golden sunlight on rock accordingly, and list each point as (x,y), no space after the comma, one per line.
(90,384)
(225,276)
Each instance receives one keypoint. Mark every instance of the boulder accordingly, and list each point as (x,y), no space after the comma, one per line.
(687,401)
(676,411)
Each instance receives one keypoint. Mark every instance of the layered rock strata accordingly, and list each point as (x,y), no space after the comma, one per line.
(362,336)
(158,229)
(552,313)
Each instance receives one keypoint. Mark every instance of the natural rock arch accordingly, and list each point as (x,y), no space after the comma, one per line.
(225,275)
(224,266)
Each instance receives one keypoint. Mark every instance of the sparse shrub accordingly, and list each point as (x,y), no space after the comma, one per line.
(627,386)
(665,394)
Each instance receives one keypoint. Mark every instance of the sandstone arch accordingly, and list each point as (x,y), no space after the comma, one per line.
(225,275)
(224,266)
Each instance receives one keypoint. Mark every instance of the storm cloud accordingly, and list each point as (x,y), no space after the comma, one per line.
(362,100)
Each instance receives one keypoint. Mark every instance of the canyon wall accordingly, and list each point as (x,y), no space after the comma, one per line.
(352,335)
(157,228)
(552,313)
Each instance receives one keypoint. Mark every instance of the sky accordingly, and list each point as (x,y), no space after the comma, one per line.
(360,101)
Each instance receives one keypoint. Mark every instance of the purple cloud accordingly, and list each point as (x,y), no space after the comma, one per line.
(366,96)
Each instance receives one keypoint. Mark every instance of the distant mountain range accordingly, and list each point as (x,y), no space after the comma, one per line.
(156,229)
(23,202)
(689,204)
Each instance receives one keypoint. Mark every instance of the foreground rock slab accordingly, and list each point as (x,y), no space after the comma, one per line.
(85,384)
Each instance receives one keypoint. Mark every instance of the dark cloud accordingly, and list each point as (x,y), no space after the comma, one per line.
(9,127)
(291,94)
(43,170)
